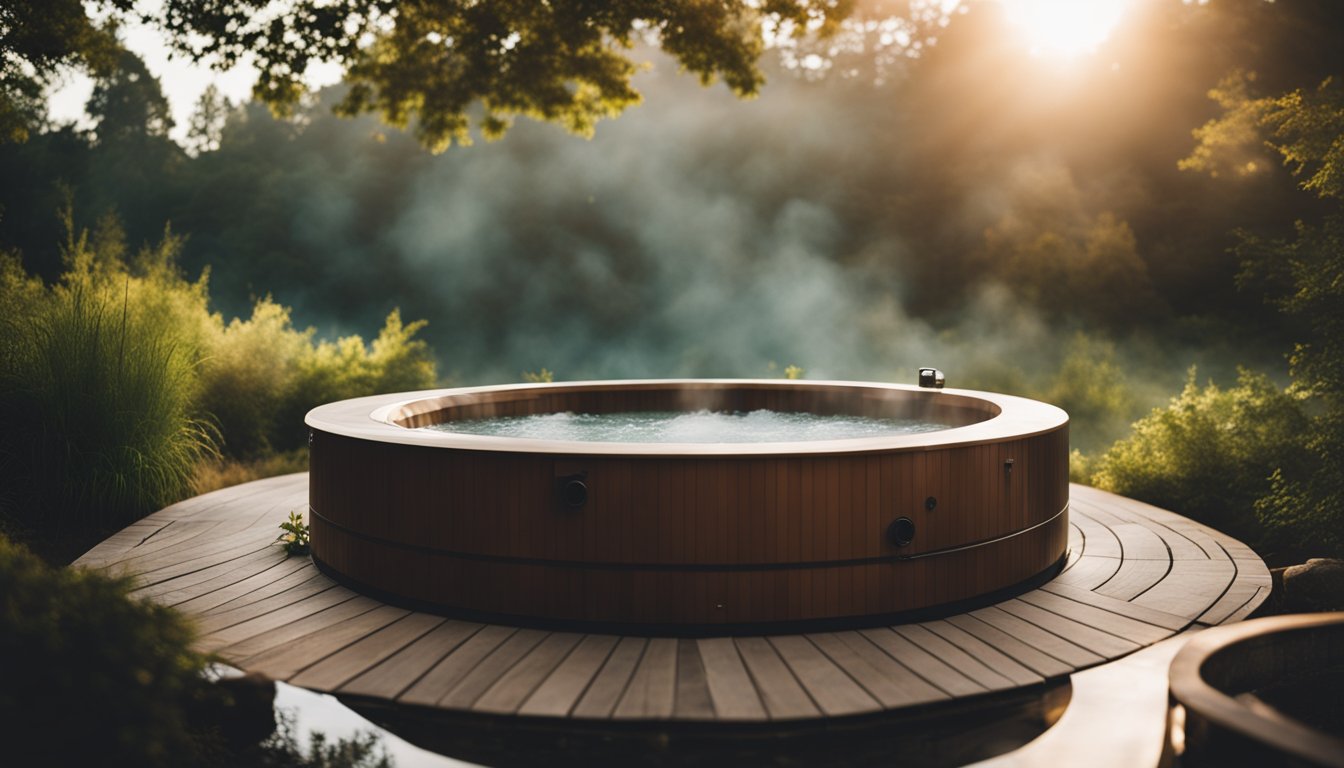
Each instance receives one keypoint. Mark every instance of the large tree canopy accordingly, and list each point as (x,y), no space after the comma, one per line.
(430,61)
(426,63)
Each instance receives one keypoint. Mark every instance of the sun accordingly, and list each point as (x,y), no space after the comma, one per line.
(1064,27)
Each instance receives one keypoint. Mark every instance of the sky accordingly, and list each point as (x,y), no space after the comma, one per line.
(1057,28)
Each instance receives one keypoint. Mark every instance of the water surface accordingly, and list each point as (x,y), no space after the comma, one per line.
(760,426)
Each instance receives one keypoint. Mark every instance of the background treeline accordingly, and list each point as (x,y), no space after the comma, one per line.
(1045,228)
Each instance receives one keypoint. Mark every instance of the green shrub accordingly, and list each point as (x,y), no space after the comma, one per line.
(262,375)
(96,405)
(92,676)
(1211,453)
(118,384)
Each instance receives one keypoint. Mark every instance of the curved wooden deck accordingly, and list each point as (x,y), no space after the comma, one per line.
(1135,575)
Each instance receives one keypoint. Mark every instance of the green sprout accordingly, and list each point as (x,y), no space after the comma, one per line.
(295,536)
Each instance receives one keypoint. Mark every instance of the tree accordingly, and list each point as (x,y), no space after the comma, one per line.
(206,127)
(128,103)
(37,40)
(1304,277)
(430,62)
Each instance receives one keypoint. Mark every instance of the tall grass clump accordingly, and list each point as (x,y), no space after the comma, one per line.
(122,392)
(97,404)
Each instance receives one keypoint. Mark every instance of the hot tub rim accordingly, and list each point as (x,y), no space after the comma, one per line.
(373,418)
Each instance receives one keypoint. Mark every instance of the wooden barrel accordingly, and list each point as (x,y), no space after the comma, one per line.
(686,536)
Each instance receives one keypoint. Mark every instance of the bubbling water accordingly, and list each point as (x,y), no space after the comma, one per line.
(761,426)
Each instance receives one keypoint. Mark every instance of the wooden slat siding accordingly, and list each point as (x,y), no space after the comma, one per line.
(456,665)
(285,659)
(1088,637)
(512,688)
(607,688)
(393,676)
(1083,613)
(923,663)
(285,617)
(1133,578)
(692,699)
(252,589)
(1089,572)
(888,681)
(333,671)
(781,694)
(731,691)
(953,656)
(298,587)
(817,517)
(1049,643)
(652,690)
(560,691)
(1041,663)
(991,657)
(832,689)
(1169,621)
(1191,587)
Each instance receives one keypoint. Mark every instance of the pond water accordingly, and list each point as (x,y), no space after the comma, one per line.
(760,426)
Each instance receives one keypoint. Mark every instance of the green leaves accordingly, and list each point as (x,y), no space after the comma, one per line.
(295,536)
(429,65)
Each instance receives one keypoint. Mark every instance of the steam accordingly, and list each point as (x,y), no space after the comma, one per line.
(698,235)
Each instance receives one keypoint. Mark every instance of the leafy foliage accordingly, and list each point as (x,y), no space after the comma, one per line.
(284,750)
(566,63)
(1211,453)
(36,41)
(96,396)
(295,534)
(77,653)
(118,384)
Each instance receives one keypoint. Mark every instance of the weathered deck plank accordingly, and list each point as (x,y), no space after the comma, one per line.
(1134,575)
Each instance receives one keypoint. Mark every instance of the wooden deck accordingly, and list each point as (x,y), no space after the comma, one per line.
(1134,576)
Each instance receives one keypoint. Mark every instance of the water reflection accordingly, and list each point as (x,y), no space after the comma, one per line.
(301,728)
(314,729)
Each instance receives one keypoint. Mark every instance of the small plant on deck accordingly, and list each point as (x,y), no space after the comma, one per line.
(295,536)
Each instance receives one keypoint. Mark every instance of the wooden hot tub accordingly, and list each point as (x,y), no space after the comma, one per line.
(675,537)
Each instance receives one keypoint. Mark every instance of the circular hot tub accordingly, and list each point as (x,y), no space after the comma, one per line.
(680,536)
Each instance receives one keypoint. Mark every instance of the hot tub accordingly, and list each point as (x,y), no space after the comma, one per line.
(689,536)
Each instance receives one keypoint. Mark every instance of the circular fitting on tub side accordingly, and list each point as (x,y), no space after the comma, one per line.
(571,490)
(901,531)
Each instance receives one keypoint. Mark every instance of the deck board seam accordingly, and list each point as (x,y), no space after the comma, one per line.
(274,565)
(872,694)
(429,668)
(1076,667)
(194,570)
(625,686)
(597,671)
(916,672)
(1236,571)
(1171,562)
(1093,626)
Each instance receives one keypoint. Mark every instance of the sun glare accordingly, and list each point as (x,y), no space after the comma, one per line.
(1064,27)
